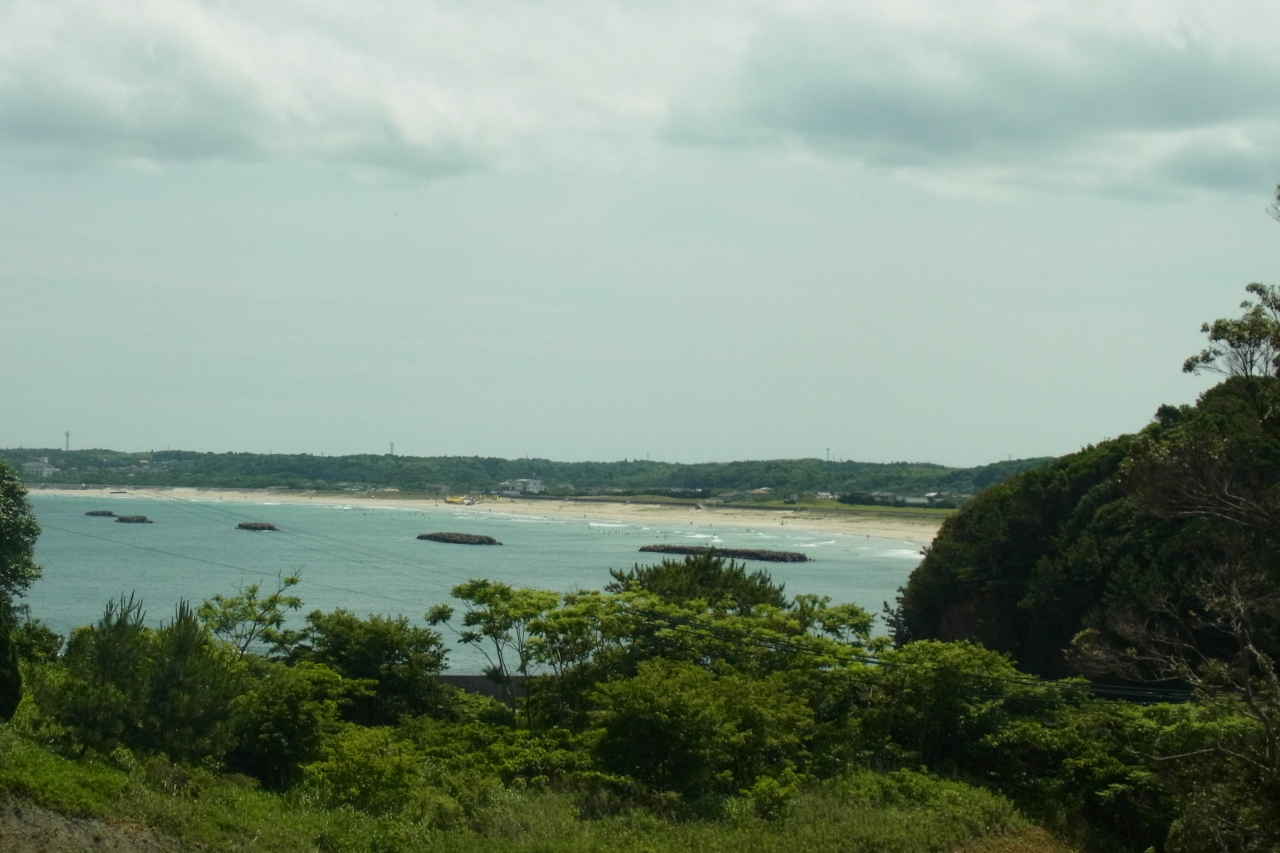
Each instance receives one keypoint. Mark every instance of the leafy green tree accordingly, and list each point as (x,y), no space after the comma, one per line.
(1086,769)
(10,676)
(283,720)
(402,660)
(245,618)
(936,702)
(497,619)
(35,641)
(721,584)
(18,534)
(1247,346)
(677,727)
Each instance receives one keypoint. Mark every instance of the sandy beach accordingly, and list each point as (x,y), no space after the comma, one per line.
(916,531)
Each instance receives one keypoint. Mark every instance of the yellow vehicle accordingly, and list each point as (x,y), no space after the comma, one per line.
(459,499)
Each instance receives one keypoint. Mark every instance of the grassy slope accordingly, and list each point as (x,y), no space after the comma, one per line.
(902,814)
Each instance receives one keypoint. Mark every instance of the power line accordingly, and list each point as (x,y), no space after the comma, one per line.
(238,569)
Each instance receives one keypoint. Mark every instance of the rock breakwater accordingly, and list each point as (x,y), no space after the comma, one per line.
(460,538)
(732,553)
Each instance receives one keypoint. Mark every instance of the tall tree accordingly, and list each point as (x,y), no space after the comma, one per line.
(18,532)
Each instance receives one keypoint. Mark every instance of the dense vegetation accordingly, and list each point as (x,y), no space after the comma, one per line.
(469,473)
(695,705)
(1153,558)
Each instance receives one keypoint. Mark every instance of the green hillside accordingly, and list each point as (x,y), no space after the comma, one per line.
(467,473)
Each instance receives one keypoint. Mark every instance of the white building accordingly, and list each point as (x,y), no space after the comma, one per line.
(38,469)
(523,486)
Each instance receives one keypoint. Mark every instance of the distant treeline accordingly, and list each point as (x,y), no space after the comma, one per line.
(461,474)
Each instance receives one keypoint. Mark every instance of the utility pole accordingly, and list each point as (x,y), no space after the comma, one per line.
(68,434)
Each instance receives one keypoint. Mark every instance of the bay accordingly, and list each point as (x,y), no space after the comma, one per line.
(368,559)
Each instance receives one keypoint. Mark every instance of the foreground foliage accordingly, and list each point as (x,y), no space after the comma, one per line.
(895,813)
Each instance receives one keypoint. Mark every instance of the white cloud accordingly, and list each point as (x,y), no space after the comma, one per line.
(1115,96)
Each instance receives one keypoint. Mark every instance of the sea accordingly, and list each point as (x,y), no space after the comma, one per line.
(368,559)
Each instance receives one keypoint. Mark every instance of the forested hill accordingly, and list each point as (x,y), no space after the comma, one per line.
(463,473)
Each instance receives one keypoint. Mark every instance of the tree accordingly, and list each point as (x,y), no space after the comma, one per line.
(18,533)
(282,722)
(497,620)
(401,659)
(1248,346)
(677,727)
(245,619)
(192,682)
(10,675)
(167,690)
(721,584)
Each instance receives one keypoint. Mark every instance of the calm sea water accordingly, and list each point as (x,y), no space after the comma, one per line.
(368,560)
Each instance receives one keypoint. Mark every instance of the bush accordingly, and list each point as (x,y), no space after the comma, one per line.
(399,659)
(678,727)
(283,720)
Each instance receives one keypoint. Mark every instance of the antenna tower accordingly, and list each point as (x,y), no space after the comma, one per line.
(68,435)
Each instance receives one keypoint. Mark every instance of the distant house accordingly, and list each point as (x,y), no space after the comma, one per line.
(523,486)
(38,469)
(916,502)
(730,497)
(826,496)
(762,491)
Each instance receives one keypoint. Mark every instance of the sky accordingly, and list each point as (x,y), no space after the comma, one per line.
(953,231)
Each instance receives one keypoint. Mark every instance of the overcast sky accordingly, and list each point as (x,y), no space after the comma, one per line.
(935,231)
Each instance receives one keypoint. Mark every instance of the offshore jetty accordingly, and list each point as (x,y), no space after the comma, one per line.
(133,519)
(733,553)
(460,538)
(256,526)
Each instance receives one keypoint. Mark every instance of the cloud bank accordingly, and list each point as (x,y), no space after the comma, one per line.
(1140,96)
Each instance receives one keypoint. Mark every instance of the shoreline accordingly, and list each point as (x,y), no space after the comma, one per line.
(918,532)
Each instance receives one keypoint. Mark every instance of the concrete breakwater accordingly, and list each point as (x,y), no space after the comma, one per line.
(460,538)
(733,553)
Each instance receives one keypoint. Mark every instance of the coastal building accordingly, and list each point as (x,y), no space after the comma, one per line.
(522,486)
(762,491)
(41,468)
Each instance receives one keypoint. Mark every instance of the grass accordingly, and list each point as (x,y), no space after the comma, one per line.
(895,813)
